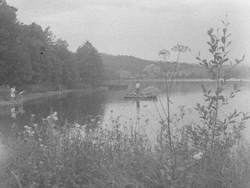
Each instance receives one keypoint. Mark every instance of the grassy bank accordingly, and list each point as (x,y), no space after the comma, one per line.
(76,156)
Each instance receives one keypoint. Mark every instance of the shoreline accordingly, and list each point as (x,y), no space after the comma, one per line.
(35,96)
(177,80)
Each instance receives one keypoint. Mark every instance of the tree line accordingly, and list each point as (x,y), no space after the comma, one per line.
(31,55)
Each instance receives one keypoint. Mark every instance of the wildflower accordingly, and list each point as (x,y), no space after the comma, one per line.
(21,92)
(13,112)
(54,116)
(77,125)
(52,119)
(29,131)
(198,155)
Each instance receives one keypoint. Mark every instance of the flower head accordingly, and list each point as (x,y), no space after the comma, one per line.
(198,155)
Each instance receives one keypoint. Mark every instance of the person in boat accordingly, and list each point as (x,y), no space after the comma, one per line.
(137,88)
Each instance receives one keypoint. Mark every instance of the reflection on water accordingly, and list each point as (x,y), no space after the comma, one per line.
(105,106)
(74,107)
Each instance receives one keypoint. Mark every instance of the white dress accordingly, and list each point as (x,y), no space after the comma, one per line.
(12,92)
(137,85)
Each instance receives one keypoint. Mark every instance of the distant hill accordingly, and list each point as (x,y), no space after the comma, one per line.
(130,67)
(118,63)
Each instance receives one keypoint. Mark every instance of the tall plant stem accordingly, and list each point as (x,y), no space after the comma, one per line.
(16,178)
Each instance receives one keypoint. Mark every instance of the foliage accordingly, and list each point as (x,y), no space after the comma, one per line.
(170,147)
(200,154)
(30,54)
(89,64)
(50,156)
(217,133)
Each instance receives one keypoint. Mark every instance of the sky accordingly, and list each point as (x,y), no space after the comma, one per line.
(140,27)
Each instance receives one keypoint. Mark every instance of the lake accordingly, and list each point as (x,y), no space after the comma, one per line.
(107,107)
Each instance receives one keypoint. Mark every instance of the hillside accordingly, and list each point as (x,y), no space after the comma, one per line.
(129,67)
(124,63)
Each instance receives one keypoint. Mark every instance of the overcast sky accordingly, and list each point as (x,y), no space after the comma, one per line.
(140,27)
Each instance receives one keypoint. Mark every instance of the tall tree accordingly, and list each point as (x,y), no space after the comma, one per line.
(30,54)
(8,43)
(90,64)
(67,67)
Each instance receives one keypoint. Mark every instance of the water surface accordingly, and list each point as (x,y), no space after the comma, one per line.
(110,105)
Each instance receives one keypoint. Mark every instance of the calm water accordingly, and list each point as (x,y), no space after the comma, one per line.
(110,105)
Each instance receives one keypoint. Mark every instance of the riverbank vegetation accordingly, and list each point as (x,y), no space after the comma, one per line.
(32,57)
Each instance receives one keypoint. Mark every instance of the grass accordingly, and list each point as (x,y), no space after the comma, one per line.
(75,156)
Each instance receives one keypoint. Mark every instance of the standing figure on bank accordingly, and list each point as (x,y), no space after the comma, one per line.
(137,87)
(13,93)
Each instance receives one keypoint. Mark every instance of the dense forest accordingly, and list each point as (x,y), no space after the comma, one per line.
(31,55)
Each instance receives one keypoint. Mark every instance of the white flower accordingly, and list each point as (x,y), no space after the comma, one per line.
(198,155)
(77,125)
(54,116)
